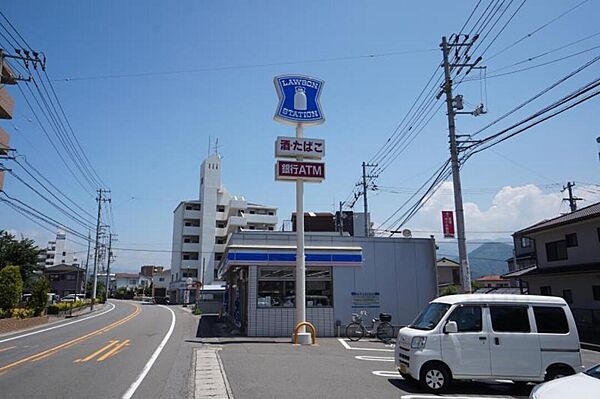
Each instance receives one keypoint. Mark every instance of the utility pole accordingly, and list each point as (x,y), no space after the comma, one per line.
(452,103)
(341,219)
(365,187)
(572,200)
(87,261)
(110,238)
(100,200)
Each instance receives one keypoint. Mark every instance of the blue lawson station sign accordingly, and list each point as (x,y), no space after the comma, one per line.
(298,100)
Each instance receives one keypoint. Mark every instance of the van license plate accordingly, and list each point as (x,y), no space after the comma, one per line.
(403,368)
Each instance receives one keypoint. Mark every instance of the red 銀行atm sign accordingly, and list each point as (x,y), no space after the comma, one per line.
(448,224)
(296,170)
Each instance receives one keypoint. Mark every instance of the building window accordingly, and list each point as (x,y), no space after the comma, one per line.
(252,212)
(191,239)
(219,240)
(215,274)
(220,208)
(64,253)
(596,291)
(192,207)
(190,256)
(161,279)
(218,256)
(556,250)
(276,287)
(546,290)
(191,222)
(270,227)
(568,296)
(525,242)
(221,225)
(132,282)
(571,240)
(185,273)
(271,213)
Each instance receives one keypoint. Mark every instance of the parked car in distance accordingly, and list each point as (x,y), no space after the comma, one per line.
(52,298)
(73,298)
(489,336)
(584,385)
(163,300)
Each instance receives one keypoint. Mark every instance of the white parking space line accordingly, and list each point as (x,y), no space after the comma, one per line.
(347,346)
(419,396)
(375,358)
(58,326)
(387,374)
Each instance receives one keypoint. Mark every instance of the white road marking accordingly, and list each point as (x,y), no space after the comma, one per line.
(58,326)
(345,345)
(418,396)
(387,374)
(375,358)
(134,386)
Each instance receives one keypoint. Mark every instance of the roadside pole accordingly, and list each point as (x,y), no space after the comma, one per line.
(300,261)
(299,106)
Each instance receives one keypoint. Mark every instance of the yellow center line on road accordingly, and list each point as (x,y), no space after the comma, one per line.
(7,348)
(65,345)
(99,351)
(113,351)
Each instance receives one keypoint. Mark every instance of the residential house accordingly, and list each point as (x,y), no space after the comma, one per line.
(65,279)
(448,274)
(567,264)
(493,281)
(160,283)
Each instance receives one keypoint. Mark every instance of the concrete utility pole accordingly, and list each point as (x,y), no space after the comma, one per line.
(341,219)
(87,261)
(451,103)
(572,200)
(110,239)
(365,187)
(100,200)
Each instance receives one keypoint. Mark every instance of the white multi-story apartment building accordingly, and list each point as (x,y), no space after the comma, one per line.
(57,253)
(202,227)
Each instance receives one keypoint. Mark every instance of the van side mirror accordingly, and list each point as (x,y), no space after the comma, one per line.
(451,327)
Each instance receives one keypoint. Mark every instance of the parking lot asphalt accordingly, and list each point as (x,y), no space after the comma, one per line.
(336,368)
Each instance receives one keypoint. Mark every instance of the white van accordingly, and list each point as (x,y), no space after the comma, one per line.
(489,336)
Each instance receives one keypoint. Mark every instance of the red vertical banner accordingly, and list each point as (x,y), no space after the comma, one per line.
(448,223)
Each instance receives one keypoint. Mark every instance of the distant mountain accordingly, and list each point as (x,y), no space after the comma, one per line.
(489,258)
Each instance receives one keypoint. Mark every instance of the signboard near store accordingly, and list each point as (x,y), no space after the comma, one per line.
(299,170)
(365,300)
(298,100)
(448,224)
(292,147)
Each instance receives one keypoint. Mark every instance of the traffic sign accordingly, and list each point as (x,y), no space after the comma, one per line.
(298,100)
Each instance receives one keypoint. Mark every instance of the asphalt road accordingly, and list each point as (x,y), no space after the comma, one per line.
(106,354)
(333,370)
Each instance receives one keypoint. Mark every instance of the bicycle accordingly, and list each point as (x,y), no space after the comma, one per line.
(380,328)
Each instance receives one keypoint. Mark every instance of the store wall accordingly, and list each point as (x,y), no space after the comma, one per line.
(402,271)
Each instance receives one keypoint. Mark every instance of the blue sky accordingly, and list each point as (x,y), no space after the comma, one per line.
(146,135)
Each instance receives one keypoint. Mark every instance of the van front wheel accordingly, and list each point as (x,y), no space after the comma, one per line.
(435,377)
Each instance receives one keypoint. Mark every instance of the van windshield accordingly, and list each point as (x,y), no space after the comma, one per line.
(430,317)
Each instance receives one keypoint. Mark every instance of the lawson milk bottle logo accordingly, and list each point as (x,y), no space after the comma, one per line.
(298,100)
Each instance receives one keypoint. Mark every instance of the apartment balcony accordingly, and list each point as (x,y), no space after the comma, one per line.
(191,214)
(237,221)
(190,247)
(260,219)
(220,231)
(220,247)
(191,230)
(221,216)
(191,264)
(238,204)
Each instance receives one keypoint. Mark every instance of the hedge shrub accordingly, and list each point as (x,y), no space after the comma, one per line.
(11,287)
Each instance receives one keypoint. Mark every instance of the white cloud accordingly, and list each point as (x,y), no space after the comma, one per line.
(511,209)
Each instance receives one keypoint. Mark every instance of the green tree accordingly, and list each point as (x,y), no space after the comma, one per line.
(11,287)
(449,290)
(39,295)
(100,288)
(22,253)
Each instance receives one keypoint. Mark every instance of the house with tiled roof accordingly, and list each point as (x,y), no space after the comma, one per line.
(563,256)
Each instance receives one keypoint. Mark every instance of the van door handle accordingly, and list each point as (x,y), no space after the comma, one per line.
(497,341)
(482,338)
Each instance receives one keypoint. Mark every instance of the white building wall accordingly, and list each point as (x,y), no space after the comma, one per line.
(210,185)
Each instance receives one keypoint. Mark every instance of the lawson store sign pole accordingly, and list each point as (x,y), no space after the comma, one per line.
(299,106)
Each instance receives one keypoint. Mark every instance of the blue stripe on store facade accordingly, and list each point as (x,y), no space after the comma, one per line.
(290,257)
